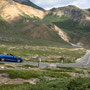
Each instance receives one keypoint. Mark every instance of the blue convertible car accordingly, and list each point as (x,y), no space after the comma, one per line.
(10,58)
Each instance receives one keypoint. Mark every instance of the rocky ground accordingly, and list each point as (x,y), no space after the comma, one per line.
(5,77)
(6,80)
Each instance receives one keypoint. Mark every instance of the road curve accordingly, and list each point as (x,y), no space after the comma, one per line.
(83,62)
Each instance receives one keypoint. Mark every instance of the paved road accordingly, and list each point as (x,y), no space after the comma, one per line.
(83,62)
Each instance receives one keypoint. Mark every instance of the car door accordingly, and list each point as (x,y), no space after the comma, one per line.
(10,58)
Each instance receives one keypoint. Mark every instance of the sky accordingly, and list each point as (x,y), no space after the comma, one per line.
(48,4)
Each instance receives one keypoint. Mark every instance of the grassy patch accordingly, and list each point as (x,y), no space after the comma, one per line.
(48,54)
(15,87)
(79,84)
(66,69)
(26,74)
(27,66)
(55,74)
(58,84)
(2,63)
(89,71)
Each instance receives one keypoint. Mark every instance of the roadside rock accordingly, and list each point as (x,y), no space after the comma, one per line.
(6,75)
(4,79)
(2,67)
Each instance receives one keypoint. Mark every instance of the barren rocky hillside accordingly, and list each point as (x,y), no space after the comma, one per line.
(11,10)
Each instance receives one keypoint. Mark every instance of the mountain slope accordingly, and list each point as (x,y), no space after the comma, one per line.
(56,27)
(31,32)
(29,3)
(73,12)
(28,26)
(11,10)
(78,33)
(73,21)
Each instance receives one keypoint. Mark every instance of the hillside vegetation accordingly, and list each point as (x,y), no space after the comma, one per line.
(34,26)
(59,81)
(33,32)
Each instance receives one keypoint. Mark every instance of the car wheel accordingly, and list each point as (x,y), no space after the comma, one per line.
(18,60)
(2,59)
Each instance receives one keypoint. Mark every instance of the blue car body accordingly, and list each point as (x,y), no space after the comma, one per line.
(11,58)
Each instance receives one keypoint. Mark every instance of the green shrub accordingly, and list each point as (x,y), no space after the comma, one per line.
(25,74)
(79,84)
(58,84)
(27,66)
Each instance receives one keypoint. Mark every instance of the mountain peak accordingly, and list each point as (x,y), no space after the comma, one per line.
(72,6)
(29,3)
(69,6)
(73,12)
(21,1)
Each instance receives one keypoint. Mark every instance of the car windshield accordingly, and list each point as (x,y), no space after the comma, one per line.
(10,54)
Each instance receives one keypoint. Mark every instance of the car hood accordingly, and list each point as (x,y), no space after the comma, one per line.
(8,56)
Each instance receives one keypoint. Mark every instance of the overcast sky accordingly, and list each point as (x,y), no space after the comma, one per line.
(48,4)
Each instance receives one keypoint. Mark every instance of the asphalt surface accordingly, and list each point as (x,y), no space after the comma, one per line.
(83,62)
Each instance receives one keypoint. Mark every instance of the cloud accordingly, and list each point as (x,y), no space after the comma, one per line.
(82,3)
(48,4)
